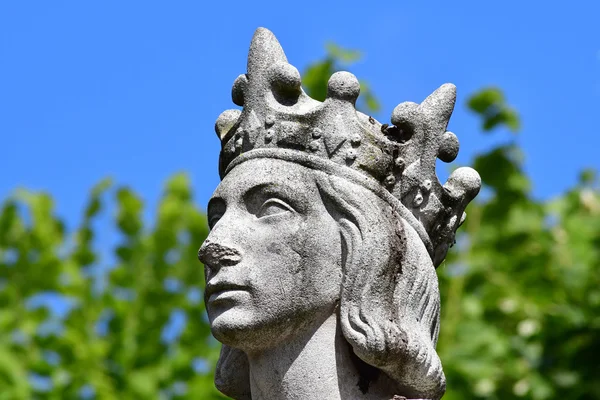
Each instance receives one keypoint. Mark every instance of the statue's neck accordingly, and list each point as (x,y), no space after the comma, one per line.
(316,365)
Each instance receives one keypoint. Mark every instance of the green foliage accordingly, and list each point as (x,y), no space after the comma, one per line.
(108,329)
(520,290)
(490,104)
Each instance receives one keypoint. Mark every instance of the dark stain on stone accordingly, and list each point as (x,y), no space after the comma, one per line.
(367,373)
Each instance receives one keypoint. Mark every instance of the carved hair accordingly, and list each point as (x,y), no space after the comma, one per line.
(389,309)
(389,305)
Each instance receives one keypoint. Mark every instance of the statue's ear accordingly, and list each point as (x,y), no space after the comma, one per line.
(232,376)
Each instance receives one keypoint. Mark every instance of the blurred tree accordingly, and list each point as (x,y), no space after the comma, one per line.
(74,328)
(520,290)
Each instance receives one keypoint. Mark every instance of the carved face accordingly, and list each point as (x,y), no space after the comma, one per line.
(273,257)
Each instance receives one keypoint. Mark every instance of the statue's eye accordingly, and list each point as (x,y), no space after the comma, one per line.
(273,207)
(216,209)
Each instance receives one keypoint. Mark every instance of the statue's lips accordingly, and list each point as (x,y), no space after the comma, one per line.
(222,291)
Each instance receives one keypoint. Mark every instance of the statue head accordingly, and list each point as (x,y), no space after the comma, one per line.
(324,211)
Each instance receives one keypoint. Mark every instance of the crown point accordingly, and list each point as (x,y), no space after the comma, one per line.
(448,148)
(239,89)
(343,86)
(445,93)
(285,78)
(226,121)
(265,50)
(440,103)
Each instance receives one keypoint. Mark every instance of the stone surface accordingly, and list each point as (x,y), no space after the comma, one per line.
(325,234)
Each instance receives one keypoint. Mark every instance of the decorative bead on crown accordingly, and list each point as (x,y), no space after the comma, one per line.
(277,114)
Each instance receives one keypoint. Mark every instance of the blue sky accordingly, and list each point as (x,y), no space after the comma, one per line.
(131,89)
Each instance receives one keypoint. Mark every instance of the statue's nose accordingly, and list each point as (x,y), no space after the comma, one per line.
(217,255)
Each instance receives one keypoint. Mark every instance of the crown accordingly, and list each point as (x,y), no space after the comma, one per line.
(279,118)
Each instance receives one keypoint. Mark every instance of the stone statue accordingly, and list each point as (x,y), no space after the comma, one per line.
(325,234)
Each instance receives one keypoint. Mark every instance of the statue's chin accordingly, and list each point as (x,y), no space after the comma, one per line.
(242,330)
(251,331)
(242,325)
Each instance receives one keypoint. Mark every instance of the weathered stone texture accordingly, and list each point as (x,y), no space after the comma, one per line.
(326,231)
